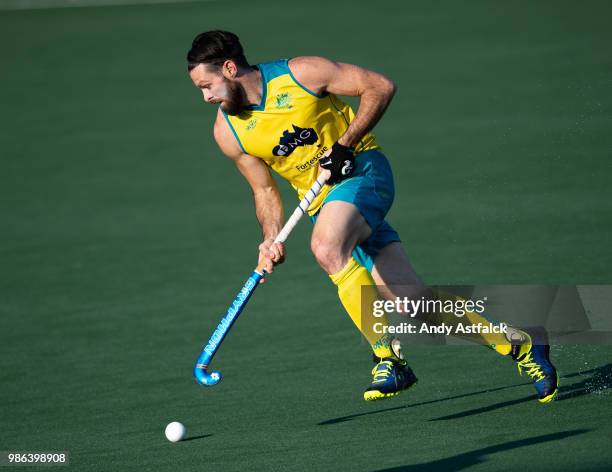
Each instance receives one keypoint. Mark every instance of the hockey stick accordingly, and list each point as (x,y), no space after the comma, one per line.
(200,370)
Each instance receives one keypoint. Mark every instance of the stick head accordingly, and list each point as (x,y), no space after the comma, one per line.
(204,378)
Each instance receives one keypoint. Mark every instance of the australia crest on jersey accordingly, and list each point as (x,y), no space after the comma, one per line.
(283,100)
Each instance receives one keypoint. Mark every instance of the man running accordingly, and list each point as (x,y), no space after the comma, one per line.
(286,115)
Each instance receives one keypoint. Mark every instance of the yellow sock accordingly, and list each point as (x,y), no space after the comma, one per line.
(500,342)
(357,289)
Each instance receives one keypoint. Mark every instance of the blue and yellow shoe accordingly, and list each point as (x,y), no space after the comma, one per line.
(391,377)
(534,360)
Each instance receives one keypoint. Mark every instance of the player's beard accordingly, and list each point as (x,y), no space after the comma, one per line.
(235,98)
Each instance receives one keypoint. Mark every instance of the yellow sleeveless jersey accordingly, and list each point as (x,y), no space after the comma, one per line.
(293,127)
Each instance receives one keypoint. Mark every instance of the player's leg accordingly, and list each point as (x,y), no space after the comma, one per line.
(351,212)
(393,273)
(338,229)
(395,277)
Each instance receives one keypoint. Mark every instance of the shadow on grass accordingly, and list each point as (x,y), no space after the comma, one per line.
(485,409)
(193,438)
(478,456)
(596,379)
(429,402)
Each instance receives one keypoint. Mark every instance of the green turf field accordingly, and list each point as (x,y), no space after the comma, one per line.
(125,235)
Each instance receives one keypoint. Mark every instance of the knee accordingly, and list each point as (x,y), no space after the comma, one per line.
(328,255)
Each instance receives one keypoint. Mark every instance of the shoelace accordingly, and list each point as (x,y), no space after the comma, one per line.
(382,371)
(532,368)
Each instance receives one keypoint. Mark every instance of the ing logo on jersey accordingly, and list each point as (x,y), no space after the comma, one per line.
(291,140)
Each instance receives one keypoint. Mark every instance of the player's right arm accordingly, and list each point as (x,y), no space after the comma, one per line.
(268,203)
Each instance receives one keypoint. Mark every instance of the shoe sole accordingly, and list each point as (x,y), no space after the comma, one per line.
(375,395)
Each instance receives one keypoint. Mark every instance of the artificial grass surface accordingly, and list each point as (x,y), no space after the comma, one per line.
(126,234)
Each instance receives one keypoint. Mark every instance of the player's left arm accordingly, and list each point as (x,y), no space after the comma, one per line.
(374,90)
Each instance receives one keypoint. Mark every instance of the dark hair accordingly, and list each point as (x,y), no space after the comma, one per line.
(214,48)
